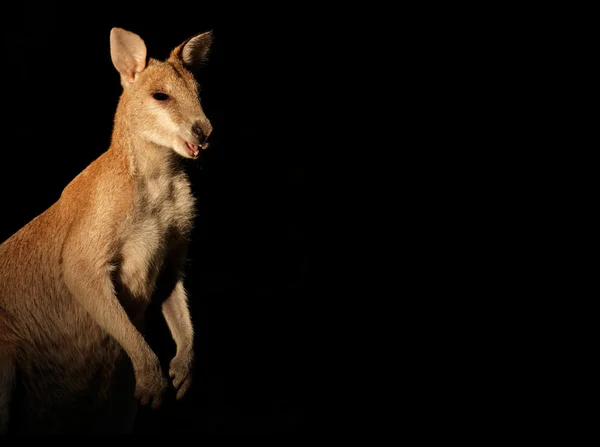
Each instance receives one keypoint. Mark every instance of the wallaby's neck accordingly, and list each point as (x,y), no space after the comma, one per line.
(145,158)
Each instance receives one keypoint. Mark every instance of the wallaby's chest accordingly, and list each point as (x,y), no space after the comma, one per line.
(161,216)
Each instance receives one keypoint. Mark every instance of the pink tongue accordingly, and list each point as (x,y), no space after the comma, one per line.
(193,148)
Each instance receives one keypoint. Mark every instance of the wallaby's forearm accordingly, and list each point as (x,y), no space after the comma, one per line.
(96,295)
(177,315)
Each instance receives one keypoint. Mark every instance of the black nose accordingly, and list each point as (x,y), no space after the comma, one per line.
(198,133)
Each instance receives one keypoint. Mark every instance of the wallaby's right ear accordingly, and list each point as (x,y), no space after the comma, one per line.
(128,54)
(194,51)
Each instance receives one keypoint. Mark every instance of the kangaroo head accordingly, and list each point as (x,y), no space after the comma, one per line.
(161,98)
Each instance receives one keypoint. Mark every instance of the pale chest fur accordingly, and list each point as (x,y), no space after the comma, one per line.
(163,212)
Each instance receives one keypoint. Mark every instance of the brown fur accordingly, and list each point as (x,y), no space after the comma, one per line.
(75,282)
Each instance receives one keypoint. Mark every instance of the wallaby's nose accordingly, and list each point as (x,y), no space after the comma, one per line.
(199,133)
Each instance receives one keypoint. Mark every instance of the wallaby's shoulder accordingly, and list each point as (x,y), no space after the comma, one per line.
(106,179)
(109,169)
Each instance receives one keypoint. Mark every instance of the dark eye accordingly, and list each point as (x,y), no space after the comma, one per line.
(160,96)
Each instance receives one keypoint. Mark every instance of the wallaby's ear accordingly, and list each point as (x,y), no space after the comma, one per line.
(193,51)
(128,54)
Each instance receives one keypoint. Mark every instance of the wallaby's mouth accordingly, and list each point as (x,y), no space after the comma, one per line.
(192,149)
(189,150)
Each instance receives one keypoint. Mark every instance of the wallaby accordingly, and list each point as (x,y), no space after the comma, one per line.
(76,281)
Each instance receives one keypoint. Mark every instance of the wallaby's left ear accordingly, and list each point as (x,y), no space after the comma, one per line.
(128,54)
(194,50)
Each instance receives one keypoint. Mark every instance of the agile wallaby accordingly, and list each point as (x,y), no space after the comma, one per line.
(76,281)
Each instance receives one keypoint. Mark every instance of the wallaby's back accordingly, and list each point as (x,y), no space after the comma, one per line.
(68,365)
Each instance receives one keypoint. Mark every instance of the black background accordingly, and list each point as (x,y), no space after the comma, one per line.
(249,259)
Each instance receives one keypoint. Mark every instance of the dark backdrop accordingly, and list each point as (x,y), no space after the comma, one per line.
(249,262)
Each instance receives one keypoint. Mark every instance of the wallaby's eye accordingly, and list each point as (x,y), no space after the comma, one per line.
(160,96)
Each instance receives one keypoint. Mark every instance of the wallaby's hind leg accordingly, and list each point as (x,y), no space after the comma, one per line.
(8,373)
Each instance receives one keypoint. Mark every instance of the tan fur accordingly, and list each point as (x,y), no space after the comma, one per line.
(76,281)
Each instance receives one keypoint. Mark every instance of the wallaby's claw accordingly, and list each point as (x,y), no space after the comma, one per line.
(181,373)
(150,388)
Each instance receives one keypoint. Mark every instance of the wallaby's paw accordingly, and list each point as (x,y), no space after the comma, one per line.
(181,372)
(151,387)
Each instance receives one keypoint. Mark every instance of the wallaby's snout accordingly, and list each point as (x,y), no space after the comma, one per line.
(202,130)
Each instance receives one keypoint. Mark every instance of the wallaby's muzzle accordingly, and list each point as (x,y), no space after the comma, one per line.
(202,131)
